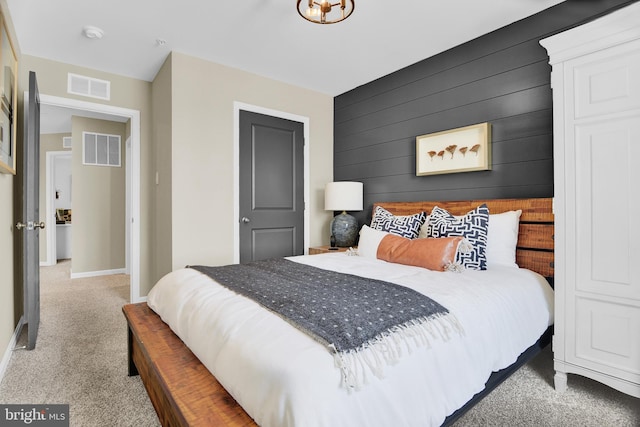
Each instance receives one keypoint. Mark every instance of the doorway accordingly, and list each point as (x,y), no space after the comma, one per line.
(58,206)
(90,109)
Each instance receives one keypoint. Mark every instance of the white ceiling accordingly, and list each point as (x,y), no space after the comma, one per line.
(266,37)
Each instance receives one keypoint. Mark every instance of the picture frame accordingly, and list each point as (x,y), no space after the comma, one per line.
(463,149)
(8,101)
(63,216)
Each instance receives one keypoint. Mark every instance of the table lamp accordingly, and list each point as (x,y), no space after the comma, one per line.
(343,196)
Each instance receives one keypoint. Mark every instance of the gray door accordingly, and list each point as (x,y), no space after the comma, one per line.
(30,224)
(271,187)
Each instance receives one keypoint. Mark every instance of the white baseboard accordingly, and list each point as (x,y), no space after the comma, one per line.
(4,364)
(98,273)
(45,264)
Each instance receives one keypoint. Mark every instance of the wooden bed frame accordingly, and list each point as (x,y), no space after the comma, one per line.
(185,393)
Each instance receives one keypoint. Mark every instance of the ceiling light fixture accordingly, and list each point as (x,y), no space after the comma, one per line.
(325,12)
(92,32)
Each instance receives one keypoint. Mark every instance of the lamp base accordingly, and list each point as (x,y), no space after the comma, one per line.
(344,228)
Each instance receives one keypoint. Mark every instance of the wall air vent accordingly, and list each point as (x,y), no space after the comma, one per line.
(89,86)
(101,149)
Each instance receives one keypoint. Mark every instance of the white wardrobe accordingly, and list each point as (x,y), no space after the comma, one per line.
(596,102)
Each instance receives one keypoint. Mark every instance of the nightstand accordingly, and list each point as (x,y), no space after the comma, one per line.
(325,250)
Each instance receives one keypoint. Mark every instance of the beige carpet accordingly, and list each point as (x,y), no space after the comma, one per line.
(81,354)
(81,359)
(528,399)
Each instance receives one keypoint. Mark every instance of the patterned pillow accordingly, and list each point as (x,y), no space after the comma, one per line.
(406,226)
(474,226)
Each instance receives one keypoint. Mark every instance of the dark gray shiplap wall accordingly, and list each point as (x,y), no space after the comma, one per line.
(502,77)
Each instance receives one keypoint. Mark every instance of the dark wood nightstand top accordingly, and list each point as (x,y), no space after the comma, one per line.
(325,249)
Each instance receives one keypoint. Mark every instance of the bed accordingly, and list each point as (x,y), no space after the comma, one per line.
(185,392)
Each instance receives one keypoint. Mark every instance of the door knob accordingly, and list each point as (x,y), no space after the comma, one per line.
(30,225)
(245,220)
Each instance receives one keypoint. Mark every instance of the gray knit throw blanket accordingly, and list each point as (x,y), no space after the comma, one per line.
(366,323)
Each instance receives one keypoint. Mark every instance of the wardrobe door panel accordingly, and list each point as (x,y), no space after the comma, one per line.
(607,163)
(606,339)
(606,82)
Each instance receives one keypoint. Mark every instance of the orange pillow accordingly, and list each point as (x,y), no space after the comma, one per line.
(431,253)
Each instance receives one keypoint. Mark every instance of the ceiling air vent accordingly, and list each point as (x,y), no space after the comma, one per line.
(88,86)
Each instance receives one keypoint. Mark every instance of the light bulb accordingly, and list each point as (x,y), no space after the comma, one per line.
(313,12)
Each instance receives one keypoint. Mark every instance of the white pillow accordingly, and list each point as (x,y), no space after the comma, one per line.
(502,238)
(369,241)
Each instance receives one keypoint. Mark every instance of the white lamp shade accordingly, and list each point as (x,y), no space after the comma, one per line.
(343,196)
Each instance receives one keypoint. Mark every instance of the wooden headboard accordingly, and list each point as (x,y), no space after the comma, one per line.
(535,238)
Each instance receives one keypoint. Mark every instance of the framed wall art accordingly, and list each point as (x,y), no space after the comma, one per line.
(463,149)
(8,101)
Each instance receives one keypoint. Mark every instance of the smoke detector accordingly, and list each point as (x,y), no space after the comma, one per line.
(92,32)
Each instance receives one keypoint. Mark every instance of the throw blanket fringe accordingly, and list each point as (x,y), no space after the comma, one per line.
(388,348)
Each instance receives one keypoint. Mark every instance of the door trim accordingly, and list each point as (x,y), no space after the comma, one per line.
(237,106)
(48,205)
(127,225)
(133,185)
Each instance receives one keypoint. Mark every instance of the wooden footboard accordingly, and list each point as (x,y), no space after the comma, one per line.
(182,390)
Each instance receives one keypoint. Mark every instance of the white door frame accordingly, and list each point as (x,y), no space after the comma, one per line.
(127,244)
(133,187)
(50,222)
(237,106)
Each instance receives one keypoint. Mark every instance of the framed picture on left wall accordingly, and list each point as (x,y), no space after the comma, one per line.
(8,101)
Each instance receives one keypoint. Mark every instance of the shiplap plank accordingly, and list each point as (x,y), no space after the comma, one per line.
(523,125)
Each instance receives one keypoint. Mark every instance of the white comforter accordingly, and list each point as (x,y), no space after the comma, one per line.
(282,377)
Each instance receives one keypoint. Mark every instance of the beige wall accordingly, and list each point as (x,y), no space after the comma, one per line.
(7,321)
(161,102)
(203,96)
(48,142)
(8,199)
(126,93)
(99,203)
